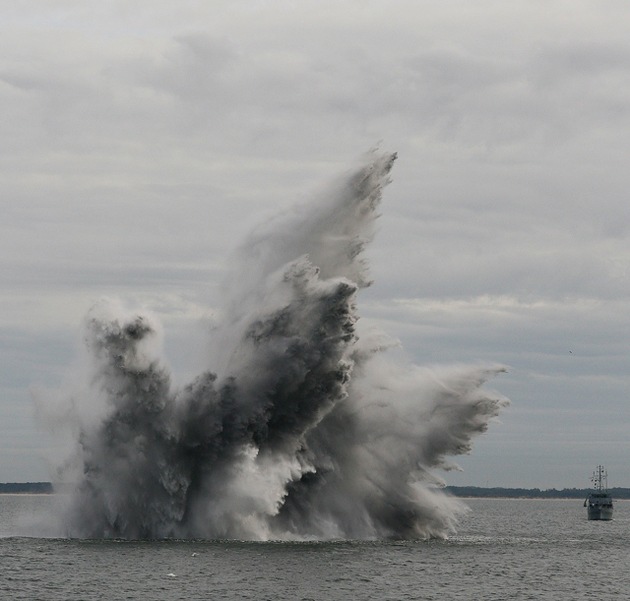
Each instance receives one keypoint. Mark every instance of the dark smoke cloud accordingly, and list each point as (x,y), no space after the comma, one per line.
(302,430)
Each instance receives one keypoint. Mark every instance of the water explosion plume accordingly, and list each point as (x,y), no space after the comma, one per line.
(302,430)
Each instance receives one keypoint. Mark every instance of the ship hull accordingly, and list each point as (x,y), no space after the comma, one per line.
(600,513)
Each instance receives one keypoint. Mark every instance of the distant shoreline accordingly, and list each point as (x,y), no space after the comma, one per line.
(20,488)
(478,492)
(475,492)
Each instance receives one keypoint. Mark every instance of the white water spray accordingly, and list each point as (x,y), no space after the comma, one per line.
(301,429)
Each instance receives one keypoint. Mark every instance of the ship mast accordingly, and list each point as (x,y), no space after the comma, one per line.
(600,479)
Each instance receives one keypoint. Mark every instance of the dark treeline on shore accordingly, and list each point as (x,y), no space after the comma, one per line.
(25,487)
(457,491)
(531,493)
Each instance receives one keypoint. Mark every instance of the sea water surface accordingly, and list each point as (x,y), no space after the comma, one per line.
(504,549)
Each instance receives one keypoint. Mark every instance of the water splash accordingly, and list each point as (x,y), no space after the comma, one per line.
(302,430)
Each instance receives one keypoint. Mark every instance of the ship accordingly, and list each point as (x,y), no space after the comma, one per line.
(599,503)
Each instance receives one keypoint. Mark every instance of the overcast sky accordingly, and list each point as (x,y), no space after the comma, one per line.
(142,140)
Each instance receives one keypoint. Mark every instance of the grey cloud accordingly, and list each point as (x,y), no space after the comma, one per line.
(141,140)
